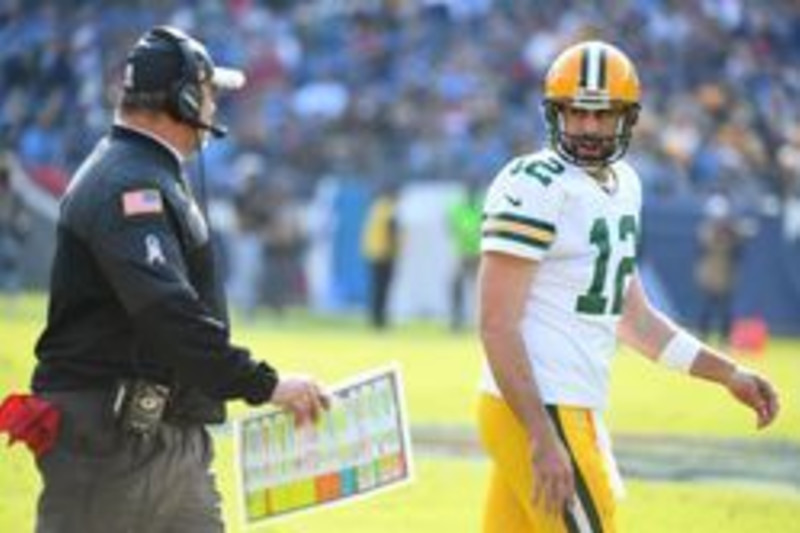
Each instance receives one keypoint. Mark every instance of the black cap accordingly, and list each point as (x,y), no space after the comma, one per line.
(157,62)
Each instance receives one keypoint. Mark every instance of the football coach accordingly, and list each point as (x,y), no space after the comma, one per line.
(136,354)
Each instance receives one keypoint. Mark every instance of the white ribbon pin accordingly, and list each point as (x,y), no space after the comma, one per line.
(155,255)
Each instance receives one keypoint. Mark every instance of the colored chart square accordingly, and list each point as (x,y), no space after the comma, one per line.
(329,487)
(268,504)
(303,493)
(281,498)
(349,481)
(366,476)
(400,465)
(387,468)
(256,503)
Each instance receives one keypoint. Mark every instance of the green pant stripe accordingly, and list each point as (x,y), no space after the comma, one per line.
(581,487)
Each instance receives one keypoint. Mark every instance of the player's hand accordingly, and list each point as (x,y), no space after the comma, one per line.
(302,396)
(755,392)
(554,485)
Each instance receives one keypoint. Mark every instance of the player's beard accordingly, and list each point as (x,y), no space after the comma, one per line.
(594,149)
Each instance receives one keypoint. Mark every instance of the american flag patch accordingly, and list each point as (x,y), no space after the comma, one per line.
(142,202)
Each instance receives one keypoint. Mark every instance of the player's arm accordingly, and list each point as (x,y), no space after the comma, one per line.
(504,282)
(658,338)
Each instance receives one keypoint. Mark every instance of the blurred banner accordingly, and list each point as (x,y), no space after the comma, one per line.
(359,447)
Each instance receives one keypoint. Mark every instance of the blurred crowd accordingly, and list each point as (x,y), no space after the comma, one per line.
(426,89)
(403,90)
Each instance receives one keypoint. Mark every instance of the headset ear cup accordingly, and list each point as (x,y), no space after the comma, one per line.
(187,102)
(185,95)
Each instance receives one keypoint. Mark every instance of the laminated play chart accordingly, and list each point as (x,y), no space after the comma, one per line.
(359,447)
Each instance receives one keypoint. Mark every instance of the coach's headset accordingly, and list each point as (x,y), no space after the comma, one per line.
(184,95)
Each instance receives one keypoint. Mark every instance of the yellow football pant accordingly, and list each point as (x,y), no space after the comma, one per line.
(509,506)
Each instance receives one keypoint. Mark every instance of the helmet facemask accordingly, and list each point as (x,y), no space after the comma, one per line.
(612,147)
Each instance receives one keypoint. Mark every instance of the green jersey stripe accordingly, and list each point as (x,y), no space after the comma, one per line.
(516,237)
(532,222)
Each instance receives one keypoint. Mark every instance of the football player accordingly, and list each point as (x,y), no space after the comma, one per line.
(558,286)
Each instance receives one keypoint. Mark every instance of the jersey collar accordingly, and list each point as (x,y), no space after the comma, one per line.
(610,187)
(152,136)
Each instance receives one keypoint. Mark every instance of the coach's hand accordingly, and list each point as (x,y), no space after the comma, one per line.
(756,392)
(554,485)
(302,396)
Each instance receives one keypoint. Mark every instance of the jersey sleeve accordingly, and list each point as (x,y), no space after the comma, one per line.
(520,212)
(136,244)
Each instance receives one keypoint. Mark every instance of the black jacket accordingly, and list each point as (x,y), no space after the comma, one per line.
(133,289)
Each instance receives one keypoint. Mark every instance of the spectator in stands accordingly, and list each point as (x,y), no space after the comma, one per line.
(247,248)
(379,247)
(451,62)
(14,223)
(464,223)
(789,168)
(284,240)
(720,240)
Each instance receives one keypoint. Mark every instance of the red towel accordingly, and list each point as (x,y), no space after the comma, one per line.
(31,420)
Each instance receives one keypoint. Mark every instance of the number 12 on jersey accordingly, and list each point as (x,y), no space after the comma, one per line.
(594,302)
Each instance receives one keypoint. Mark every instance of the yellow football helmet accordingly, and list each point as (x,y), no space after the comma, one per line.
(591,75)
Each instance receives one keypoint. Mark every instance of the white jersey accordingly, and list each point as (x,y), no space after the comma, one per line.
(584,238)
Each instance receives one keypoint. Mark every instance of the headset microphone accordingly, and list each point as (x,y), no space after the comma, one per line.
(217,130)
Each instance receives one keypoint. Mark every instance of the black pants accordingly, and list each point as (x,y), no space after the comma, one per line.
(379,292)
(716,312)
(99,479)
(465,277)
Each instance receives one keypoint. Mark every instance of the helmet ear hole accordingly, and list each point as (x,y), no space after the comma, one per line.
(550,112)
(632,115)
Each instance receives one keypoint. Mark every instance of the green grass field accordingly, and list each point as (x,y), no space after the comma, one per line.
(441,372)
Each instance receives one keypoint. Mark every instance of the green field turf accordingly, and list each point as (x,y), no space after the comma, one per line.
(441,372)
